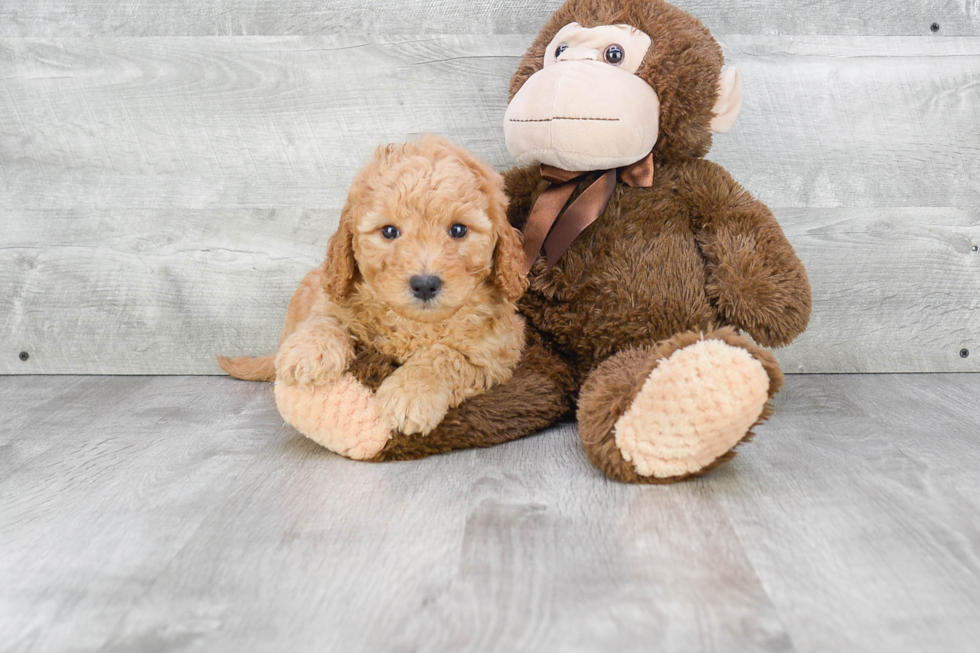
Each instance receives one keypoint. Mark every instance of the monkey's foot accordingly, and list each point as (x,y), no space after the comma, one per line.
(665,412)
(692,409)
(340,415)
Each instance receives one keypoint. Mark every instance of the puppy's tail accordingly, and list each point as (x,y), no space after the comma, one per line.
(260,368)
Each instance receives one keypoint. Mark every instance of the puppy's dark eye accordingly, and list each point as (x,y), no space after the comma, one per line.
(614,54)
(458,230)
(561,48)
(390,231)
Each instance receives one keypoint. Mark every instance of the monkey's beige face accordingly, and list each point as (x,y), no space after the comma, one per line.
(586,109)
(425,242)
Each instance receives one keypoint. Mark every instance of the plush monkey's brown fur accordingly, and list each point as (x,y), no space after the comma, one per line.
(692,257)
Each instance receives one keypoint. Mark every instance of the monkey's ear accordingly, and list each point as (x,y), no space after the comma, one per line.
(729,100)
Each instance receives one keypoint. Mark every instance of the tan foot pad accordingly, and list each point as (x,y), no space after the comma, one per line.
(340,416)
(692,409)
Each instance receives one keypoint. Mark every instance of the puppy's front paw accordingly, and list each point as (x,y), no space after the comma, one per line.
(411,407)
(304,361)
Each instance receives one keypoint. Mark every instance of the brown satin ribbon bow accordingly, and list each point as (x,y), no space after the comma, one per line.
(556,230)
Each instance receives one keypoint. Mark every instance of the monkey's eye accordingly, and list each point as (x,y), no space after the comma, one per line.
(458,230)
(560,50)
(614,54)
(390,231)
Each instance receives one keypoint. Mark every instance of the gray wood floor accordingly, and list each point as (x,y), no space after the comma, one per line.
(178,513)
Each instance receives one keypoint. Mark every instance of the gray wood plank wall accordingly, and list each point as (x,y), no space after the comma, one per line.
(170,170)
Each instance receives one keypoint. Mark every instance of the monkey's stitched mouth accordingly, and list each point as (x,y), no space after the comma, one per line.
(561,118)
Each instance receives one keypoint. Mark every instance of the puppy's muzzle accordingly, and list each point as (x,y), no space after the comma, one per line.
(425,287)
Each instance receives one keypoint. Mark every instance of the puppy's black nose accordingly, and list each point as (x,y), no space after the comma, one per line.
(425,288)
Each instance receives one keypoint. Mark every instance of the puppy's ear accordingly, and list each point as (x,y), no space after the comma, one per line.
(508,260)
(340,267)
(508,255)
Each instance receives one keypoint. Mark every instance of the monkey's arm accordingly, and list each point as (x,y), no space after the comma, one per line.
(753,274)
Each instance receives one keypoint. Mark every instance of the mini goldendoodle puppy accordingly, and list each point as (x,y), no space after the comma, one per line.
(425,269)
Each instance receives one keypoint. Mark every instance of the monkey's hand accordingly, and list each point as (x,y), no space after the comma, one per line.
(753,274)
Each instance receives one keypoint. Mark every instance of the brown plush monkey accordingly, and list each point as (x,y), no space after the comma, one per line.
(654,260)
